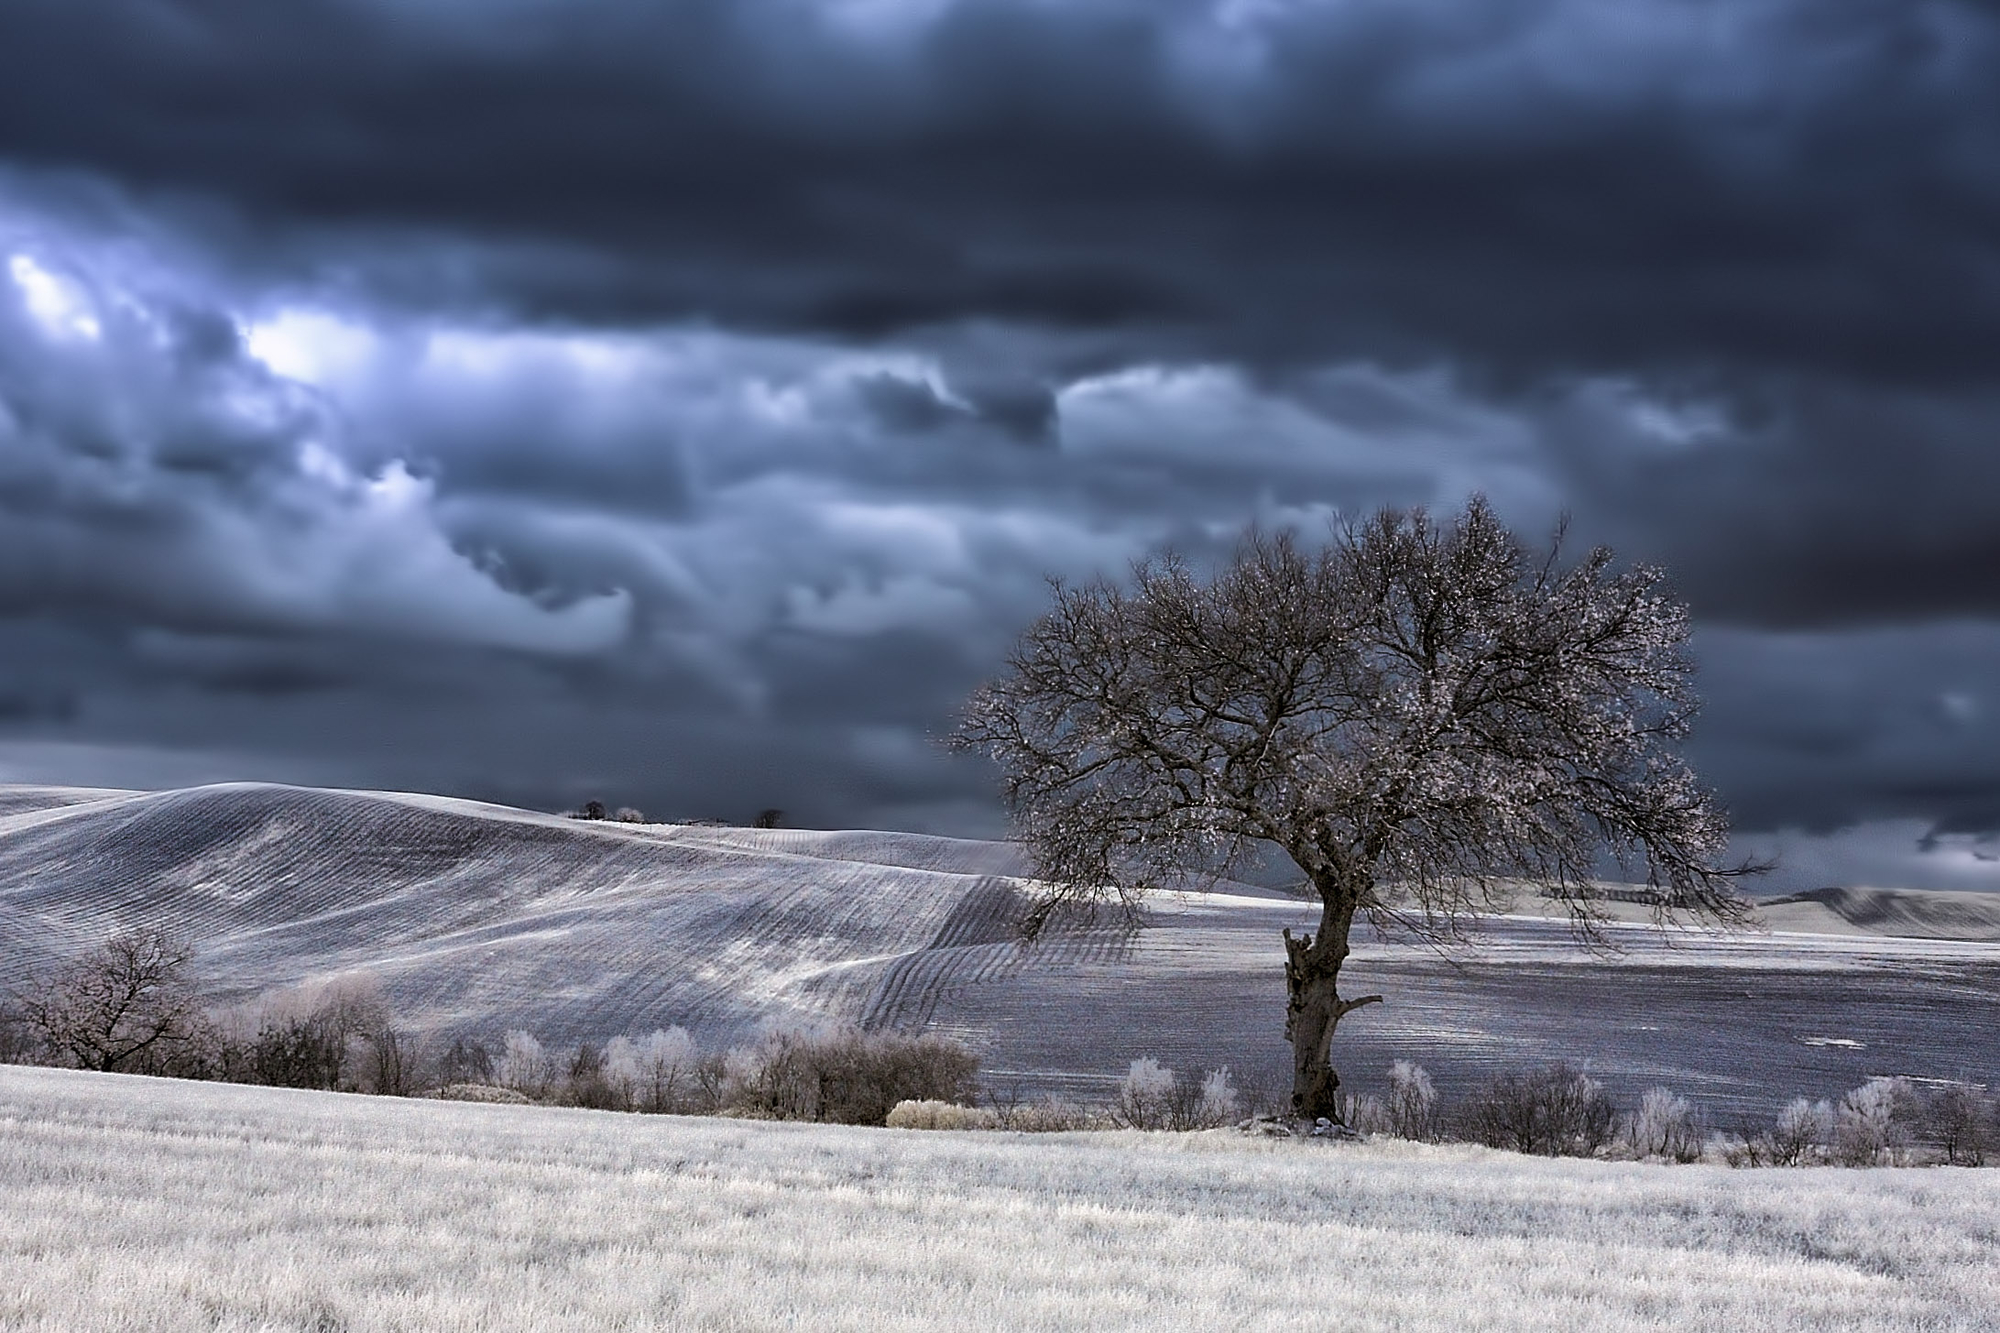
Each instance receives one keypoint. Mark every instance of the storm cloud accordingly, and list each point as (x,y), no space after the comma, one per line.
(682,403)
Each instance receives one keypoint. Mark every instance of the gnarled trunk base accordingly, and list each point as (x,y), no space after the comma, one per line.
(1312,1012)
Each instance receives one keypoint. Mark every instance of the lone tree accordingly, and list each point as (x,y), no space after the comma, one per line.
(128,1005)
(1420,714)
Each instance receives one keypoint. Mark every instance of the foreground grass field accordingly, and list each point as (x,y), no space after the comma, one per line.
(130,1203)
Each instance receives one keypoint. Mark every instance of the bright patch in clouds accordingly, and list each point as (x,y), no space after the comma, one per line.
(54,301)
(312,345)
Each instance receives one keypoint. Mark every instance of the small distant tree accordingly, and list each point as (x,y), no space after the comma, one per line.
(770,818)
(129,1005)
(392,1064)
(1420,715)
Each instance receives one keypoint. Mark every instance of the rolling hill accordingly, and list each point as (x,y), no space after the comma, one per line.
(476,918)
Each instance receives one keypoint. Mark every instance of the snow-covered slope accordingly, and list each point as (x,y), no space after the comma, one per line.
(1906,913)
(476,916)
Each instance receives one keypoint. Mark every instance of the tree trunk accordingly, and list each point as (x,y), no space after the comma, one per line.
(1314,1008)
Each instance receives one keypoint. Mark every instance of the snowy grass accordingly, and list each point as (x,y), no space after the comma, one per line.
(130,1203)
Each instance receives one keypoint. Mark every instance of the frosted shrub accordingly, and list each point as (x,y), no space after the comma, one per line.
(1412,1102)
(939,1115)
(524,1066)
(1875,1123)
(1664,1126)
(1145,1098)
(1218,1098)
(1803,1133)
(1154,1097)
(665,1062)
(620,1070)
(1365,1114)
(655,1073)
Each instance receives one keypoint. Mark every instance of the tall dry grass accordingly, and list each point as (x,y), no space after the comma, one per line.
(129,1203)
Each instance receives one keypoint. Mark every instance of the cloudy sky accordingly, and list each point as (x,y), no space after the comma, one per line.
(681,402)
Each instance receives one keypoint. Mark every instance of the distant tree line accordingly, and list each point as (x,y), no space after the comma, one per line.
(769,817)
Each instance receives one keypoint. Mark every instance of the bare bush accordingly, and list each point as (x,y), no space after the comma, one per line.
(844,1075)
(1555,1111)
(1412,1103)
(18,1044)
(333,1035)
(1962,1122)
(467,1062)
(1746,1150)
(392,1063)
(627,815)
(1153,1097)
(296,1052)
(587,1084)
(1665,1126)
(1003,1102)
(128,1005)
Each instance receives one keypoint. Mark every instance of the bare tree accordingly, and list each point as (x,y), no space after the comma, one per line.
(17,1044)
(128,1005)
(1419,714)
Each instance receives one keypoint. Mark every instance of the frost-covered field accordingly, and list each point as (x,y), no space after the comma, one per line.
(136,1204)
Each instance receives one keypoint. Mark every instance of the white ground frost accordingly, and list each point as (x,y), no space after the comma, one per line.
(130,1203)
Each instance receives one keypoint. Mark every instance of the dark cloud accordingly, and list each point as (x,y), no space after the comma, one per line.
(1536,183)
(681,404)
